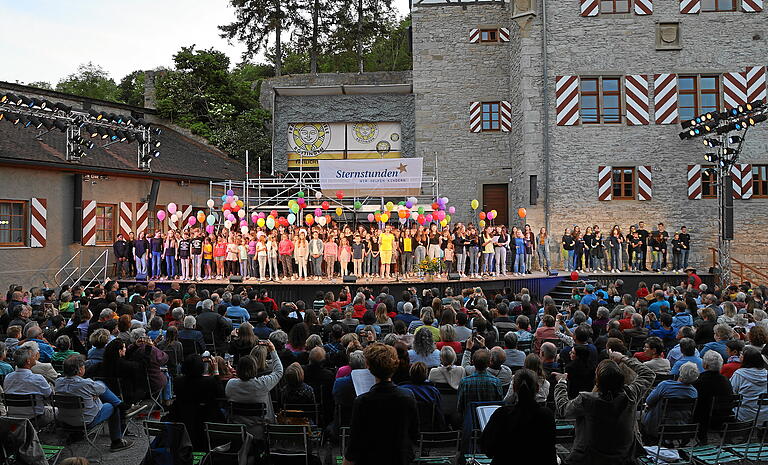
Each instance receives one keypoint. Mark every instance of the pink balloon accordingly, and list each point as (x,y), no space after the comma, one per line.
(209,229)
(262,215)
(428,218)
(191,220)
(318,212)
(371,217)
(452,210)
(243,223)
(161,215)
(489,215)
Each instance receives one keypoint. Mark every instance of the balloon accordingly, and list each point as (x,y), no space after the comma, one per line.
(371,217)
(495,213)
(321,220)
(244,229)
(390,206)
(223,199)
(191,220)
(235,198)
(421,219)
(440,215)
(409,204)
(421,210)
(435,206)
(260,222)
(301,201)
(210,229)
(241,214)
(340,195)
(273,213)
(282,221)
(239,203)
(429,217)
(574,275)
(230,192)
(200,216)
(161,215)
(291,202)
(358,205)
(414,215)
(318,195)
(211,219)
(452,210)
(481,223)
(377,216)
(262,215)
(481,215)
(309,219)
(210,203)
(291,218)
(521,212)
(448,218)
(295,208)
(401,203)
(402,220)
(271,222)
(254,217)
(339,211)
(384,218)
(475,204)
(489,215)
(413,200)
(445,200)
(318,212)
(230,199)
(403,213)
(300,194)
(227,224)
(443,223)
(325,205)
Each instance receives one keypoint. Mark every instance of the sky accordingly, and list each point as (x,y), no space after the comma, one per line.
(46,40)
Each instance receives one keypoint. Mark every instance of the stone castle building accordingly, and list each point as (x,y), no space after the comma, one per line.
(571,109)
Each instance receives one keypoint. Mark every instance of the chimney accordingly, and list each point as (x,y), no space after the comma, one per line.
(150,95)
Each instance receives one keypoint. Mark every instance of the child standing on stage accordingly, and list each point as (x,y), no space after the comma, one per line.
(184,256)
(207,257)
(156,245)
(358,252)
(169,253)
(330,253)
(579,249)
(272,252)
(196,254)
(345,255)
(450,255)
(261,256)
(406,257)
(488,251)
(242,253)
(252,268)
(374,251)
(316,255)
(301,253)
(230,267)
(285,248)
(519,253)
(386,241)
(219,256)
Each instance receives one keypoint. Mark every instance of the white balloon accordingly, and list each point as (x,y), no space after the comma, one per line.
(235,198)
(227,224)
(414,215)
(174,218)
(241,213)
(320,220)
(318,195)
(210,203)
(244,229)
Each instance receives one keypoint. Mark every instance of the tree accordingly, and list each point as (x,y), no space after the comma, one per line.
(131,89)
(370,20)
(256,20)
(41,85)
(90,81)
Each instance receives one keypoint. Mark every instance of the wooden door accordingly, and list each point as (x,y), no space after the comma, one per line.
(496,197)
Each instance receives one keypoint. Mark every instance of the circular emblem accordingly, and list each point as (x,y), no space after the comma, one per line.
(394,137)
(309,139)
(365,132)
(383,147)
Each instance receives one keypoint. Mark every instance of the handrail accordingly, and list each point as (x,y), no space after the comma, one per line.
(103,269)
(742,266)
(74,272)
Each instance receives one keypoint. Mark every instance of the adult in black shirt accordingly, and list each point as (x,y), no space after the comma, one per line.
(643,234)
(663,239)
(122,252)
(321,380)
(589,237)
(254,306)
(391,406)
(568,243)
(215,328)
(685,247)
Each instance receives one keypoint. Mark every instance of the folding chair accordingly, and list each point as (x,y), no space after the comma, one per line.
(662,377)
(116,387)
(636,344)
(727,451)
(73,407)
(58,365)
(755,451)
(677,410)
(9,447)
(723,409)
(344,436)
(189,347)
(385,329)
(682,434)
(224,440)
(241,409)
(311,412)
(27,402)
(155,398)
(525,346)
(288,441)
(162,429)
(438,448)
(557,342)
(565,431)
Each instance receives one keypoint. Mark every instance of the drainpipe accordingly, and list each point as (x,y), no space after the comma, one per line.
(545,104)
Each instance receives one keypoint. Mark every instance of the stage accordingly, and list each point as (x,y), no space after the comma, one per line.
(538,283)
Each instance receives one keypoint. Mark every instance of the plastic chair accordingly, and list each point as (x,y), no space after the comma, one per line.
(74,407)
(288,441)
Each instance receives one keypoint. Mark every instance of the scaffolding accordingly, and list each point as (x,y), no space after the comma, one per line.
(272,192)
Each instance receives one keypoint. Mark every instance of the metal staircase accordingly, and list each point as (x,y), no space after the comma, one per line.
(562,293)
(73,272)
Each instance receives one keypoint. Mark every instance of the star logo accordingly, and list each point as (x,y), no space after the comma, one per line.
(403,168)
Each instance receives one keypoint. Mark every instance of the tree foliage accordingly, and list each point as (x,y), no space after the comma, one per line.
(91,81)
(131,88)
(41,85)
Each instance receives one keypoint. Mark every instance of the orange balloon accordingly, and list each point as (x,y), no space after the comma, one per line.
(521,212)
(402,213)
(481,215)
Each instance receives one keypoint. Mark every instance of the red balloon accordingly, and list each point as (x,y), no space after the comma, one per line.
(282,221)
(574,275)
(327,219)
(435,206)
(481,215)
(236,208)
(273,213)
(420,219)
(340,195)
(325,205)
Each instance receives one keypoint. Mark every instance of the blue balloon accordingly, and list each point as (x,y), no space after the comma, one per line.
(211,219)
(223,198)
(291,218)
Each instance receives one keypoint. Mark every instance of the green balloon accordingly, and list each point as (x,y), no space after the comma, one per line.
(402,202)
(301,194)
(358,205)
(295,208)
(377,212)
(421,210)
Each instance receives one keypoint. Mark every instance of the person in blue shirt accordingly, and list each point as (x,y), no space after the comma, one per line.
(5,367)
(681,317)
(723,334)
(664,329)
(158,304)
(688,350)
(660,304)
(590,297)
(678,389)
(236,311)
(34,333)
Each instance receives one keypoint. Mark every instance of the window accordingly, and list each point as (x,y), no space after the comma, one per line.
(614,6)
(697,95)
(13,223)
(600,100)
(624,183)
(490,115)
(708,182)
(489,35)
(153,224)
(718,5)
(534,189)
(105,224)
(760,181)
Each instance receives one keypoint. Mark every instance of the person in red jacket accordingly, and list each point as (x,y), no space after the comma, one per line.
(269,302)
(733,363)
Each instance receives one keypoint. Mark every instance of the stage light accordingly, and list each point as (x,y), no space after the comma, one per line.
(8,98)
(35,122)
(35,102)
(734,140)
(25,100)
(12,118)
(46,105)
(739,125)
(729,151)
(121,119)
(14,99)
(709,142)
(92,131)
(60,125)
(757,104)
(120,136)
(157,144)
(129,138)
(47,123)
(157,131)
(87,144)
(23,121)
(103,133)
(111,134)
(131,121)
(710,157)
(757,119)
(2,115)
(156,153)
(64,108)
(112,118)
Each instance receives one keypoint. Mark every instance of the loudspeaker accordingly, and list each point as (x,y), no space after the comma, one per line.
(454,276)
(77,209)
(350,278)
(152,197)
(554,272)
(727,227)
(235,278)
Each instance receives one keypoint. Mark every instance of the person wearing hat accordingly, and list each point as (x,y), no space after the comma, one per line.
(590,297)
(693,281)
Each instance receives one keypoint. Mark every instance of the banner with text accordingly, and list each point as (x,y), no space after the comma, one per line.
(377,178)
(308,143)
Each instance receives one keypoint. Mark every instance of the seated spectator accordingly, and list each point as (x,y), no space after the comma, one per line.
(46,370)
(733,362)
(548,354)
(448,337)
(5,367)
(599,325)
(705,329)
(532,363)
(369,319)
(637,331)
(424,349)
(758,336)
(243,343)
(34,333)
(654,356)
(24,381)
(447,372)
(751,380)
(252,387)
(427,318)
(171,345)
(674,353)
(515,358)
(682,316)
(544,332)
(99,340)
(401,331)
(665,332)
(581,372)
(462,332)
(682,388)
(151,358)
(607,412)
(723,334)
(100,403)
(729,314)
(262,328)
(196,399)
(710,384)
(344,391)
(63,352)
(321,380)
(296,391)
(155,331)
(236,311)
(297,338)
(479,386)
(124,376)
(426,395)
(195,337)
(660,304)
(527,421)
(689,354)
(13,336)
(177,315)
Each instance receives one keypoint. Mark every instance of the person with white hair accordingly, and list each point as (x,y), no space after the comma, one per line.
(681,388)
(711,385)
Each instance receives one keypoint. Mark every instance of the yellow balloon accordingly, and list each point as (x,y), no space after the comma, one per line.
(339,211)
(495,214)
(475,204)
(390,206)
(240,203)
(443,222)
(482,223)
(260,222)
(384,217)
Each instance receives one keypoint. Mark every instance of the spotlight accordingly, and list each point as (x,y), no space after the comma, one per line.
(120,136)
(46,105)
(35,122)
(143,122)
(121,119)
(111,134)
(710,157)
(64,108)
(23,121)
(25,100)
(103,133)
(129,138)
(131,121)
(157,131)
(734,140)
(739,125)
(726,129)
(729,151)
(94,114)
(8,98)
(157,144)
(92,131)
(753,120)
(60,125)
(13,99)
(37,103)
(156,153)
(2,115)
(757,104)
(47,123)
(87,144)
(13,118)
(712,142)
